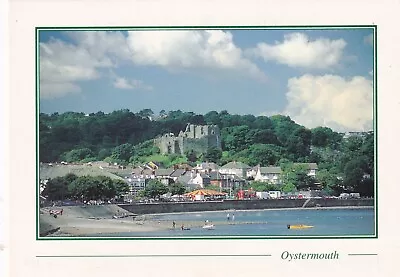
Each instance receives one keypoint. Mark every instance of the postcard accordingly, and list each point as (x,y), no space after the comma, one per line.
(198,143)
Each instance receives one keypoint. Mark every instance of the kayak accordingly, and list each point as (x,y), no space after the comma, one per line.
(209,227)
(299,226)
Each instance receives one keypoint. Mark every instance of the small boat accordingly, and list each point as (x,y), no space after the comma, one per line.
(209,227)
(299,226)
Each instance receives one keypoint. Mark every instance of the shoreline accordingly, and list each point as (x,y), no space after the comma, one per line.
(71,225)
(270,209)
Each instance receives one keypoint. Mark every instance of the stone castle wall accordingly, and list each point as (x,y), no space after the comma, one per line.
(195,137)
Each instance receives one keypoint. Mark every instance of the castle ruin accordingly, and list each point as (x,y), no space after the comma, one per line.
(198,138)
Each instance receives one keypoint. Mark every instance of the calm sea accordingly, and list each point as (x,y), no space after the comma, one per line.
(326,222)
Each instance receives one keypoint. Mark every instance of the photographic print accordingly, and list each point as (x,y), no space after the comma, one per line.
(206,132)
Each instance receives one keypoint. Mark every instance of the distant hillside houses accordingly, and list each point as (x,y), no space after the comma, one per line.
(356,134)
(233,175)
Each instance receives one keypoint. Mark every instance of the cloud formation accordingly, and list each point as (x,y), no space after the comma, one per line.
(332,101)
(64,64)
(297,50)
(124,83)
(190,49)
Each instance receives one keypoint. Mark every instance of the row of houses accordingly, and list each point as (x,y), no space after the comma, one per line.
(231,175)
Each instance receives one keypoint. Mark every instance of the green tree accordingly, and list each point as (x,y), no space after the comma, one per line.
(212,118)
(289,187)
(77,155)
(296,175)
(56,189)
(121,187)
(263,186)
(146,113)
(103,153)
(96,188)
(191,155)
(365,187)
(325,137)
(177,188)
(213,154)
(329,180)
(264,154)
(354,172)
(236,138)
(299,142)
(154,189)
(122,152)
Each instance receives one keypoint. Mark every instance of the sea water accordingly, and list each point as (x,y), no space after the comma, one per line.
(269,223)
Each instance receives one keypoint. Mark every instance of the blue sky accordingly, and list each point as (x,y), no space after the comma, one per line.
(318,77)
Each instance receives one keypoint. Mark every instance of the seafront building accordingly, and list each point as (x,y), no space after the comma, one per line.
(229,177)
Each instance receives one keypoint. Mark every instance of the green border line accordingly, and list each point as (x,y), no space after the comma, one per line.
(168,28)
(363,254)
(37,130)
(375,120)
(201,27)
(152,256)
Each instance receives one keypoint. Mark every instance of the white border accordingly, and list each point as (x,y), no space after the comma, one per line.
(25,15)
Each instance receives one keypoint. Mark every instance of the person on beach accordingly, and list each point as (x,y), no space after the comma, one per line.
(173,224)
(182,227)
(233,217)
(62,210)
(227,217)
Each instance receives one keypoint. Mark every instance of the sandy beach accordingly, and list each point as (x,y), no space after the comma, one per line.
(84,220)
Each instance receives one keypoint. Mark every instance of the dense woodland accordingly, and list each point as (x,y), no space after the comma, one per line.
(127,138)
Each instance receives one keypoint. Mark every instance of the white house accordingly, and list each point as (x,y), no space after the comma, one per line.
(201,180)
(235,168)
(136,185)
(311,167)
(164,175)
(270,174)
(251,172)
(206,167)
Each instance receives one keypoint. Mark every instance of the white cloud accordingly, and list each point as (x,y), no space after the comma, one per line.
(123,83)
(63,64)
(297,50)
(50,90)
(110,45)
(369,39)
(330,100)
(190,49)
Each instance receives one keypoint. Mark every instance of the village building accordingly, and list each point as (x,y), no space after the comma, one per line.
(206,167)
(235,168)
(201,179)
(310,167)
(226,181)
(269,174)
(164,175)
